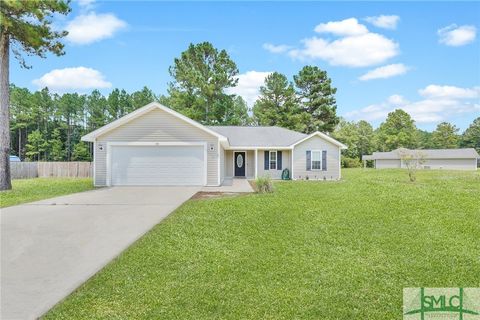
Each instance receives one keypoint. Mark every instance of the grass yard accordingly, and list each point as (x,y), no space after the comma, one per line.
(28,190)
(311,250)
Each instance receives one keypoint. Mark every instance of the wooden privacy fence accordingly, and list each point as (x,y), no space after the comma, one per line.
(23,170)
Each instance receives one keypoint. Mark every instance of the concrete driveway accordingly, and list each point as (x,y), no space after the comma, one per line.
(50,247)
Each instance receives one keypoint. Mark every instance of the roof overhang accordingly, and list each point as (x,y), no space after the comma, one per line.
(92,136)
(323,136)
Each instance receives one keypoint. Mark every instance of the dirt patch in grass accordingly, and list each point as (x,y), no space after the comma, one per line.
(209,195)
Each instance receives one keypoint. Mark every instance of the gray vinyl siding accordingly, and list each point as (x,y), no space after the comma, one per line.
(446,164)
(250,170)
(274,174)
(387,163)
(300,160)
(156,126)
(451,164)
(222,164)
(228,163)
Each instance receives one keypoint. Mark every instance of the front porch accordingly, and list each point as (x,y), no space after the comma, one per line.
(231,185)
(257,163)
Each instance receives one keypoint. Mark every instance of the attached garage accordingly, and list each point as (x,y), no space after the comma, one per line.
(156,146)
(167,165)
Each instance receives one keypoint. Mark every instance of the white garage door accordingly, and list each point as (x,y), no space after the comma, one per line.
(157,165)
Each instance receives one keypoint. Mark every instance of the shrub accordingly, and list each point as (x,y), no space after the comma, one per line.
(351,163)
(263,184)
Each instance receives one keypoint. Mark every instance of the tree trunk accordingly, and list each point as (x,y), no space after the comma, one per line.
(5,182)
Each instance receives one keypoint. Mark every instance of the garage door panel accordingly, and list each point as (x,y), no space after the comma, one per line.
(158,165)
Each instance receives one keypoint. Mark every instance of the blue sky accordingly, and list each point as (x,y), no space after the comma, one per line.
(422,57)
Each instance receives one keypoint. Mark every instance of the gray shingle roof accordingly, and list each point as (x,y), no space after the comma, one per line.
(258,136)
(467,153)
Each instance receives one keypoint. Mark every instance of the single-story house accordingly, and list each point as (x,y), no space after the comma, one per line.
(449,159)
(155,145)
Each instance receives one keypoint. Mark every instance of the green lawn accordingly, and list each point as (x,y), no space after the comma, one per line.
(311,250)
(28,190)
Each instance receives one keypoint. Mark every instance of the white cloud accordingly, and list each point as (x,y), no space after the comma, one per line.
(384,21)
(76,78)
(451,92)
(92,27)
(347,27)
(455,36)
(354,45)
(276,48)
(248,85)
(437,105)
(352,51)
(85,4)
(384,72)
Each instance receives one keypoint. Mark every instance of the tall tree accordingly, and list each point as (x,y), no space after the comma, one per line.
(36,145)
(80,152)
(424,139)
(55,144)
(96,105)
(278,105)
(142,98)
(397,131)
(347,133)
(471,137)
(366,138)
(27,26)
(201,75)
(317,96)
(237,114)
(445,136)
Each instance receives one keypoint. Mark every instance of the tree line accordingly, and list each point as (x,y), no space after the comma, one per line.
(47,126)
(399,131)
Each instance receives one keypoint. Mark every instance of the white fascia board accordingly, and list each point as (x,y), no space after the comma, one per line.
(258,148)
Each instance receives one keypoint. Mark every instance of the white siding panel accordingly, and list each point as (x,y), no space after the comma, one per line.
(300,160)
(157,126)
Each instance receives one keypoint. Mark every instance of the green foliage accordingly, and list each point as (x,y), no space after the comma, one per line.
(28,190)
(310,250)
(36,145)
(351,162)
(57,152)
(359,137)
(28,24)
(81,153)
(63,119)
(264,184)
(278,105)
(471,137)
(237,114)
(424,139)
(397,131)
(366,138)
(201,75)
(317,97)
(445,136)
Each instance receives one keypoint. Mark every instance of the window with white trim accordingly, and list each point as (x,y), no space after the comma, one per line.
(273,160)
(316,160)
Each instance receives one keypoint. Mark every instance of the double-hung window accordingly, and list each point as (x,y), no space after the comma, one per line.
(316,160)
(273,160)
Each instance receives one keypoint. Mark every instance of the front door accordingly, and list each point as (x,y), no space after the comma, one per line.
(239,164)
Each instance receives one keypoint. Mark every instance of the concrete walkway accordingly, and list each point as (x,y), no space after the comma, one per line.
(50,247)
(231,186)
